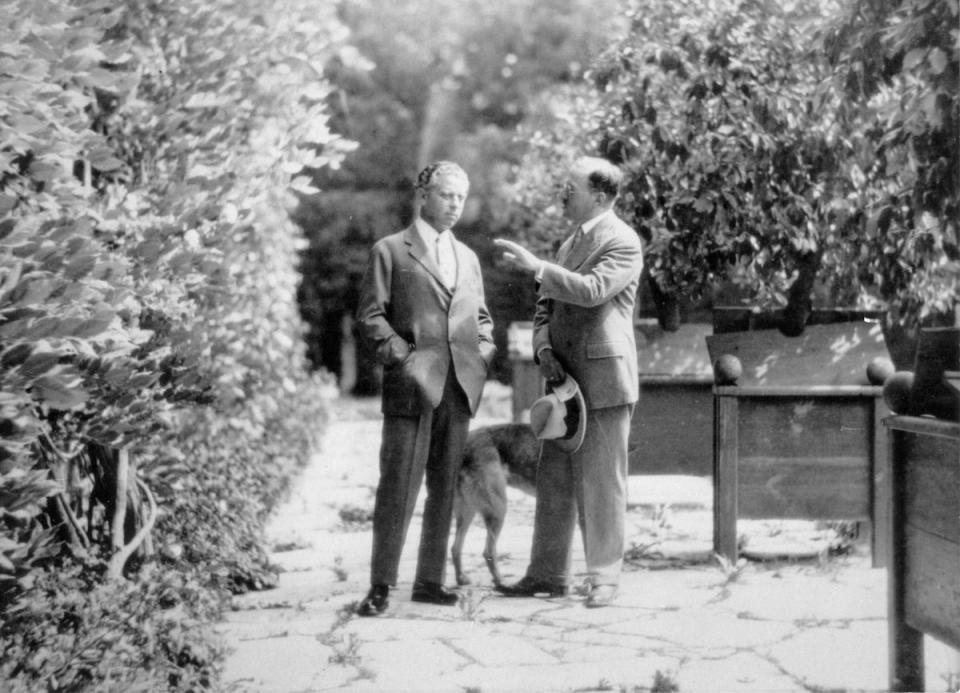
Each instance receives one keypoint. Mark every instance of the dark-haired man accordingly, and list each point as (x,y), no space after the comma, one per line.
(422,307)
(583,325)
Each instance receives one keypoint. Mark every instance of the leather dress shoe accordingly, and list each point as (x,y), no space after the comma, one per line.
(433,593)
(531,587)
(376,602)
(601,595)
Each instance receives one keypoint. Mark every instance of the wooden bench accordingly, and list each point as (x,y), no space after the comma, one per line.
(923,583)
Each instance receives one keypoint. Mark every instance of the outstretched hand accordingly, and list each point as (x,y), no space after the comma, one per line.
(517,255)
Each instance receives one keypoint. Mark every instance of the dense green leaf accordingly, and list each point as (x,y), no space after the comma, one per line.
(59,392)
(39,363)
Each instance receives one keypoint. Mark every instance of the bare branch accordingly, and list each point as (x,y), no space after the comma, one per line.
(119,559)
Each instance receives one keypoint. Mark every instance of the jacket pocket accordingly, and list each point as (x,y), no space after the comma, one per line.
(603,350)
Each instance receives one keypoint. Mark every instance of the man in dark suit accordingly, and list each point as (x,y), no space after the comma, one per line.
(583,325)
(422,307)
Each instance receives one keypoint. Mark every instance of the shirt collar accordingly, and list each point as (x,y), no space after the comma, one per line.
(590,223)
(429,234)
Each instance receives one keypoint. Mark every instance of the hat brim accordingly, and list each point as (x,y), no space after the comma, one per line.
(574,440)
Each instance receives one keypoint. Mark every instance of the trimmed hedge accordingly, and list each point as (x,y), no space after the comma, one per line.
(154,392)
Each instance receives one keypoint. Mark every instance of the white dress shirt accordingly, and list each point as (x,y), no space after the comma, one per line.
(440,245)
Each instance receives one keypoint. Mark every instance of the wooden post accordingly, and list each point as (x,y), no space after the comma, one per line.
(725,482)
(905,642)
(881,490)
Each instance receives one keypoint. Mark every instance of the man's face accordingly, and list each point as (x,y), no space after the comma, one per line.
(577,198)
(443,200)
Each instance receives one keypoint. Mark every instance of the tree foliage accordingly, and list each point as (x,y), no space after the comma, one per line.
(899,66)
(148,158)
(444,80)
(755,156)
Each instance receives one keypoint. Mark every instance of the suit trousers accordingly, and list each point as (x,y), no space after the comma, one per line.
(589,488)
(412,446)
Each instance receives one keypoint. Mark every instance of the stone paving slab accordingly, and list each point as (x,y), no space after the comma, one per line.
(683,622)
(503,650)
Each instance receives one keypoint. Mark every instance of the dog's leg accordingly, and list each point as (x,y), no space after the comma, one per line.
(494,523)
(493,506)
(464,513)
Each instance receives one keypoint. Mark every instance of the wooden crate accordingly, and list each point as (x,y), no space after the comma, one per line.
(923,582)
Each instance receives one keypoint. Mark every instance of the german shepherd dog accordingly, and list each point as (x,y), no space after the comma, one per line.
(495,457)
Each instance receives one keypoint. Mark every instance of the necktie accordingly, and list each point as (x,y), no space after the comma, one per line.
(577,237)
(446,260)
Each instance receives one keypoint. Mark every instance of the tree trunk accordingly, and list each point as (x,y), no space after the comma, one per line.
(438,125)
(668,307)
(902,334)
(799,300)
(347,377)
(331,342)
(129,508)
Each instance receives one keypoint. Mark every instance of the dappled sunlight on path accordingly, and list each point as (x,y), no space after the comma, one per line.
(681,619)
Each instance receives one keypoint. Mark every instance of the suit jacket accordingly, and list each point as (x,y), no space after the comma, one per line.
(585,310)
(420,328)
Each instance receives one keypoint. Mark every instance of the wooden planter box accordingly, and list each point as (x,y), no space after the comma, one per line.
(799,435)
(670,432)
(672,427)
(803,453)
(740,318)
(923,582)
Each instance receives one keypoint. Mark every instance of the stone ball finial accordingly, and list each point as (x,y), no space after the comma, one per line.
(727,369)
(897,391)
(879,369)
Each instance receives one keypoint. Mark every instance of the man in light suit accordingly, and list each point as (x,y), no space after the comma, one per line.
(422,307)
(583,326)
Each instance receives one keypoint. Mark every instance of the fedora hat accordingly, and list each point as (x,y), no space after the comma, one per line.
(561,416)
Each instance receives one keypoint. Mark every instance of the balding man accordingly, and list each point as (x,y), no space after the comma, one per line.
(583,326)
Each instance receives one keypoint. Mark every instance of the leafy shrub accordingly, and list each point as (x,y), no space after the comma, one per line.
(73,631)
(150,345)
(228,473)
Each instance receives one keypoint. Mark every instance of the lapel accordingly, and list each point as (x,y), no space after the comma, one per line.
(418,251)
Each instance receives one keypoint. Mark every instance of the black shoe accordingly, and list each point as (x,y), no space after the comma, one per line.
(433,593)
(531,587)
(376,602)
